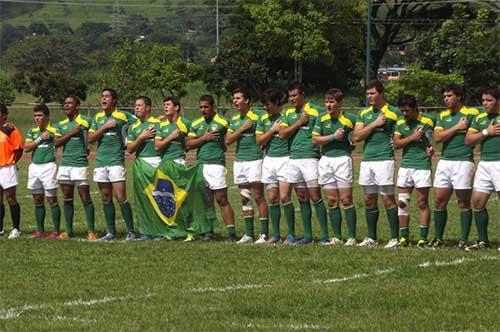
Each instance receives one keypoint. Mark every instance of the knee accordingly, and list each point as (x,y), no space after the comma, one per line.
(346,201)
(463,204)
(423,203)
(11,200)
(404,204)
(332,202)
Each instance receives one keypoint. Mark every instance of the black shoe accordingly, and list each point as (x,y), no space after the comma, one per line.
(231,239)
(207,237)
(478,246)
(461,245)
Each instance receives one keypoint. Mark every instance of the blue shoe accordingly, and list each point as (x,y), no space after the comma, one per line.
(290,239)
(107,238)
(304,241)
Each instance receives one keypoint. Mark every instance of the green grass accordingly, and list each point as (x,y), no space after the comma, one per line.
(74,285)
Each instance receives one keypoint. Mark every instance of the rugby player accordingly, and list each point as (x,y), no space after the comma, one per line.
(455,169)
(247,168)
(332,132)
(43,170)
(109,130)
(72,134)
(11,151)
(375,126)
(297,125)
(485,130)
(207,135)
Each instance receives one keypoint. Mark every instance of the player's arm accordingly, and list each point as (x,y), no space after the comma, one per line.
(475,136)
(263,137)
(287,131)
(133,144)
(62,139)
(443,135)
(362,131)
(30,144)
(399,142)
(232,136)
(95,135)
(17,144)
(194,142)
(161,143)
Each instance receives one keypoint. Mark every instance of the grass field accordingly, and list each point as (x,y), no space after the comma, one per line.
(161,285)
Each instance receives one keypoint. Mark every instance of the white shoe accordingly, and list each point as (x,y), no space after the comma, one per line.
(351,242)
(245,239)
(262,239)
(2,233)
(336,242)
(393,243)
(368,242)
(14,233)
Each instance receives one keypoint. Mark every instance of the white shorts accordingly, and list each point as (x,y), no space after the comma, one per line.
(376,173)
(73,175)
(42,177)
(454,174)
(302,172)
(487,177)
(8,176)
(274,169)
(153,161)
(411,177)
(109,174)
(245,172)
(215,176)
(335,172)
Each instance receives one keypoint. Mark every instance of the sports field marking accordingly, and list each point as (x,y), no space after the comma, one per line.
(92,193)
(64,318)
(299,326)
(12,313)
(356,276)
(228,288)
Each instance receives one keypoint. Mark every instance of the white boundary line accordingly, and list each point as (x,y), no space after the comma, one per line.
(298,326)
(228,288)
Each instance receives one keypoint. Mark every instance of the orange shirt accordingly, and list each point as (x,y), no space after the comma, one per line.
(10,141)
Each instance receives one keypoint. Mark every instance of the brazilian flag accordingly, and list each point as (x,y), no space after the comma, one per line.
(172,200)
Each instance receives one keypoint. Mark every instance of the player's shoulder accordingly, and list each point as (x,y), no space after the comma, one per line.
(481,115)
(443,114)
(254,114)
(313,109)
(289,111)
(235,117)
(264,117)
(197,122)
(391,112)
(427,119)
(470,111)
(8,129)
(347,120)
(122,115)
(222,120)
(365,111)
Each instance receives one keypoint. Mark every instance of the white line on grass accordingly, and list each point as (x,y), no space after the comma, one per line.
(12,313)
(92,193)
(299,326)
(356,276)
(228,288)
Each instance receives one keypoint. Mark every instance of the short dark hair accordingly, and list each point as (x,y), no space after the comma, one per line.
(41,108)
(209,99)
(457,90)
(297,85)
(244,92)
(75,99)
(407,100)
(274,96)
(375,84)
(335,93)
(174,99)
(146,100)
(495,92)
(3,109)
(113,93)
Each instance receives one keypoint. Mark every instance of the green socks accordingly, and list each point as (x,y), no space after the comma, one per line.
(127,215)
(55,212)
(371,221)
(336,221)
(40,217)
(392,217)
(350,217)
(89,215)
(109,217)
(320,209)
(405,232)
(465,224)
(249,226)
(289,211)
(275,214)
(481,217)
(424,232)
(69,210)
(231,230)
(264,226)
(440,218)
(306,213)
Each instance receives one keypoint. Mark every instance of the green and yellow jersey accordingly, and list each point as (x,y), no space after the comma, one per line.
(211,152)
(45,152)
(176,149)
(246,146)
(326,126)
(147,148)
(75,150)
(490,146)
(275,147)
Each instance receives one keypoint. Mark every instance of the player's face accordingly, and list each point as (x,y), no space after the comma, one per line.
(296,98)
(206,110)
(40,119)
(240,102)
(141,109)
(169,108)
(374,97)
(490,104)
(70,107)
(450,99)
(332,105)
(107,101)
(409,113)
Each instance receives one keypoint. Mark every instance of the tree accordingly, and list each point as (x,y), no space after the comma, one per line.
(7,90)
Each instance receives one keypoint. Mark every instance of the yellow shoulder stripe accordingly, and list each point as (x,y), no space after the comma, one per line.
(182,126)
(198,121)
(325,117)
(444,114)
(290,111)
(366,110)
(311,111)
(481,115)
(82,122)
(265,116)
(426,120)
(220,120)
(119,115)
(400,122)
(345,121)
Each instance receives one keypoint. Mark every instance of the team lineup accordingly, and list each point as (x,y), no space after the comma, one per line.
(305,147)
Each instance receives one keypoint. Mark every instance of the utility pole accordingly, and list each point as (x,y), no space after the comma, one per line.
(217,25)
(368,44)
